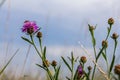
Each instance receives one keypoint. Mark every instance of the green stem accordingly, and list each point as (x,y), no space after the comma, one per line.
(118,77)
(40,43)
(35,46)
(113,58)
(108,32)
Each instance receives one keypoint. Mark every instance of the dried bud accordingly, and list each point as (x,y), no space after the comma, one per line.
(30,30)
(117,69)
(46,63)
(54,63)
(89,68)
(110,21)
(39,34)
(91,28)
(115,36)
(83,59)
(104,43)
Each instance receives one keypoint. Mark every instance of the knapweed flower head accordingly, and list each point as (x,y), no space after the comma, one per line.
(80,71)
(30,27)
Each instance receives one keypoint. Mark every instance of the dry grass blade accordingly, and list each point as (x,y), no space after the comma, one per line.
(8,62)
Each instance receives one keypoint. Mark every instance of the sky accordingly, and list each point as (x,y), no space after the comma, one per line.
(64,23)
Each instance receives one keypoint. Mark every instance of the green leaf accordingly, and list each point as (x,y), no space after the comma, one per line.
(72,58)
(112,63)
(41,66)
(8,62)
(44,53)
(75,75)
(57,72)
(27,40)
(104,56)
(66,64)
(67,78)
(99,53)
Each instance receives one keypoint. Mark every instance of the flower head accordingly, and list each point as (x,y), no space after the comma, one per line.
(29,27)
(80,71)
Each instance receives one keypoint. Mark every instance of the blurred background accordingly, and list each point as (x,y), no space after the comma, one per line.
(64,24)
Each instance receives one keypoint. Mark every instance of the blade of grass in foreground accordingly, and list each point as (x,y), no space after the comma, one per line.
(2,70)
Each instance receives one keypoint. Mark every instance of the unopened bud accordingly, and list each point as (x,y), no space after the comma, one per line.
(104,43)
(110,21)
(46,63)
(54,63)
(83,59)
(117,69)
(115,36)
(39,34)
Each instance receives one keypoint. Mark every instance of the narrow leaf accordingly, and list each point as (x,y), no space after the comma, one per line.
(112,63)
(27,40)
(41,66)
(99,53)
(44,53)
(104,56)
(57,72)
(66,64)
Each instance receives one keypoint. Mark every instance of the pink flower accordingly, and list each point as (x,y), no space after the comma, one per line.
(29,27)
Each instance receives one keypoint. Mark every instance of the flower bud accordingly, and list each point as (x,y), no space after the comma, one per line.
(117,69)
(110,21)
(115,35)
(89,68)
(83,59)
(46,63)
(54,63)
(39,34)
(104,43)
(91,28)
